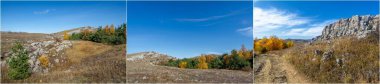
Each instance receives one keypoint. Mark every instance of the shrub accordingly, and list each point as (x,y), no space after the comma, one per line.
(76,36)
(44,60)
(237,60)
(202,63)
(18,63)
(217,63)
(273,43)
(108,35)
(65,36)
(237,63)
(289,44)
(182,64)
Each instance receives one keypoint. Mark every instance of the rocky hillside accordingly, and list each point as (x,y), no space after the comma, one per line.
(357,26)
(149,57)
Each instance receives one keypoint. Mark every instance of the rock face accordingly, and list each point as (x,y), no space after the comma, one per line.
(357,26)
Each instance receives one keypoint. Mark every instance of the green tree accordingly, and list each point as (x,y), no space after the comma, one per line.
(18,63)
(217,63)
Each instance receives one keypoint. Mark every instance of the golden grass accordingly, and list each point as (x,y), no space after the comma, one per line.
(361,60)
(83,49)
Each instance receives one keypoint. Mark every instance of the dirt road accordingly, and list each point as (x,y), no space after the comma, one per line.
(271,68)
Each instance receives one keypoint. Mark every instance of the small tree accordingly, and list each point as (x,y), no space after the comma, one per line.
(202,63)
(182,64)
(18,63)
(217,63)
(112,29)
(66,36)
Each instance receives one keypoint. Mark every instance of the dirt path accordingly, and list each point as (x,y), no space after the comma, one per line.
(273,68)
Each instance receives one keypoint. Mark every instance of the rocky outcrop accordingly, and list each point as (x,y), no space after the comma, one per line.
(357,26)
(47,48)
(51,48)
(149,57)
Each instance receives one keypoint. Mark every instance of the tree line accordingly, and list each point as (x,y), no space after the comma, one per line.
(108,34)
(272,43)
(236,60)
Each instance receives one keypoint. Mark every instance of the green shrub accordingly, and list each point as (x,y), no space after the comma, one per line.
(237,63)
(18,63)
(225,61)
(103,35)
(75,36)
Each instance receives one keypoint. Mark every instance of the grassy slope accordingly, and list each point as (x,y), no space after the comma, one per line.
(361,60)
(87,62)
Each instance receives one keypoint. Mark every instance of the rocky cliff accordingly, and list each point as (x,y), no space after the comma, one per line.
(357,26)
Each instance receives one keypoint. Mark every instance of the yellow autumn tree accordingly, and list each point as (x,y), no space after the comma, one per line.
(202,63)
(182,64)
(107,29)
(226,59)
(209,58)
(112,29)
(65,36)
(86,33)
(273,43)
(259,45)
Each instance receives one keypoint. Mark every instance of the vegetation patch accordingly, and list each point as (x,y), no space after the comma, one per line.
(344,60)
(107,34)
(269,44)
(18,63)
(236,60)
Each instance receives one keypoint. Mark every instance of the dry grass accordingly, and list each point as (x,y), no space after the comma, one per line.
(88,62)
(83,49)
(361,60)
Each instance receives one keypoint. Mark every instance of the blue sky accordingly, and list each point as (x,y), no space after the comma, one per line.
(304,20)
(51,17)
(188,29)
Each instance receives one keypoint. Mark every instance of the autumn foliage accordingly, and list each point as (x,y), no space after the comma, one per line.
(107,34)
(65,36)
(272,43)
(202,63)
(236,60)
(182,64)
(44,60)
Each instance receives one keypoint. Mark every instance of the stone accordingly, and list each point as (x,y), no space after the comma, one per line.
(56,60)
(327,56)
(339,62)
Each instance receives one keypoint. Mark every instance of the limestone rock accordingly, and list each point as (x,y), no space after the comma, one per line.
(357,26)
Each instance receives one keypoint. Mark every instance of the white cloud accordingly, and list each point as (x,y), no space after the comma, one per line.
(271,19)
(311,30)
(246,31)
(202,19)
(210,17)
(44,11)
